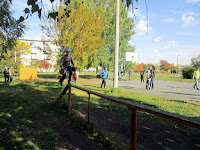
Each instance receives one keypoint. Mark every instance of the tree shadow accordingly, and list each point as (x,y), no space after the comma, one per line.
(153,132)
(29,121)
(48,76)
(87,76)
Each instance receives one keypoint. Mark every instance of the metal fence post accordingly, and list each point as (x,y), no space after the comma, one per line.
(89,108)
(133,129)
(69,97)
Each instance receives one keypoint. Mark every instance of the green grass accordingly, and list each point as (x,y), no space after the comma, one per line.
(182,107)
(136,76)
(29,121)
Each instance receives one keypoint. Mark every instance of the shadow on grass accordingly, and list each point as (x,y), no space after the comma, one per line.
(48,76)
(152,133)
(29,121)
(87,76)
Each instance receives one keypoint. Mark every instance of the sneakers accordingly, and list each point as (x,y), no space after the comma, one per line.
(194,87)
(197,88)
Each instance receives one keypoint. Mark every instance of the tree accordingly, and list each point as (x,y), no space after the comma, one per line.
(16,52)
(81,31)
(164,65)
(195,62)
(139,67)
(130,66)
(105,54)
(37,6)
(35,63)
(10,28)
(44,65)
(147,66)
(13,56)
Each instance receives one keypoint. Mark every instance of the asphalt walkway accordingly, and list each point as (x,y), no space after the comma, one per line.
(169,89)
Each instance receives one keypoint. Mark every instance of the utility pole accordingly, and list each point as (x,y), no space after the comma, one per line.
(115,83)
(177,64)
(15,56)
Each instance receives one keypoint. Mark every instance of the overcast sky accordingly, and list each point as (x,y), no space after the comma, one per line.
(164,29)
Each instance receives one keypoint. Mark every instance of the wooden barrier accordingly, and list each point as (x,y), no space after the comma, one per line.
(133,107)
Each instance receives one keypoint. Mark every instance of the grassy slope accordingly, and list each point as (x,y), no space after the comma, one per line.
(29,121)
(185,108)
(26,116)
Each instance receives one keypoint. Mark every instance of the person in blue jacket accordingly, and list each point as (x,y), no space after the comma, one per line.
(104,75)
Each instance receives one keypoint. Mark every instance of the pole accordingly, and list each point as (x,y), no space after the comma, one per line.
(89,108)
(15,56)
(69,97)
(115,84)
(177,65)
(133,129)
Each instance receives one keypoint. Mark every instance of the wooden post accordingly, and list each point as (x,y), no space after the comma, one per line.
(133,129)
(69,97)
(89,108)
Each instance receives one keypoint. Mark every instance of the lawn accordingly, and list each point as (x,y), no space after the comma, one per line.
(29,121)
(136,76)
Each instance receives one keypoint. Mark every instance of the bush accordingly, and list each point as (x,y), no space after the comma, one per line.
(187,72)
(173,71)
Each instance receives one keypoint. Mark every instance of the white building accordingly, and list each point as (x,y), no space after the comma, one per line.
(40,50)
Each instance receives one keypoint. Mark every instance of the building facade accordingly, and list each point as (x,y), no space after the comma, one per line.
(40,50)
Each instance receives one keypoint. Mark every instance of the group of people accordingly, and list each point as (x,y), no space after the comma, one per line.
(149,82)
(66,61)
(150,77)
(8,74)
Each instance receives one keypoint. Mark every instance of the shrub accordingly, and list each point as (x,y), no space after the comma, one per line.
(173,71)
(187,72)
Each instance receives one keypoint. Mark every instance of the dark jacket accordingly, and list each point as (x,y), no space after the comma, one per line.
(152,73)
(6,72)
(142,72)
(65,61)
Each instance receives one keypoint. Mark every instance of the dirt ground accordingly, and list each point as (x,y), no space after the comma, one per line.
(151,134)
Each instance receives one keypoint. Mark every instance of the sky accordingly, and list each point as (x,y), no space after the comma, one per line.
(164,30)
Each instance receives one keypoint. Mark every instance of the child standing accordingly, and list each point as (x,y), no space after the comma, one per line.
(104,75)
(196,78)
(6,74)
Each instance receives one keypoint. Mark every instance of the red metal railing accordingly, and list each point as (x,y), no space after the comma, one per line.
(133,107)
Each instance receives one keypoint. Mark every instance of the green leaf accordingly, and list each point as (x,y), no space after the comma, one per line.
(21,19)
(31,2)
(35,8)
(26,10)
(53,15)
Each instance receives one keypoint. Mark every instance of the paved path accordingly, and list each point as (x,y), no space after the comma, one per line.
(169,89)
